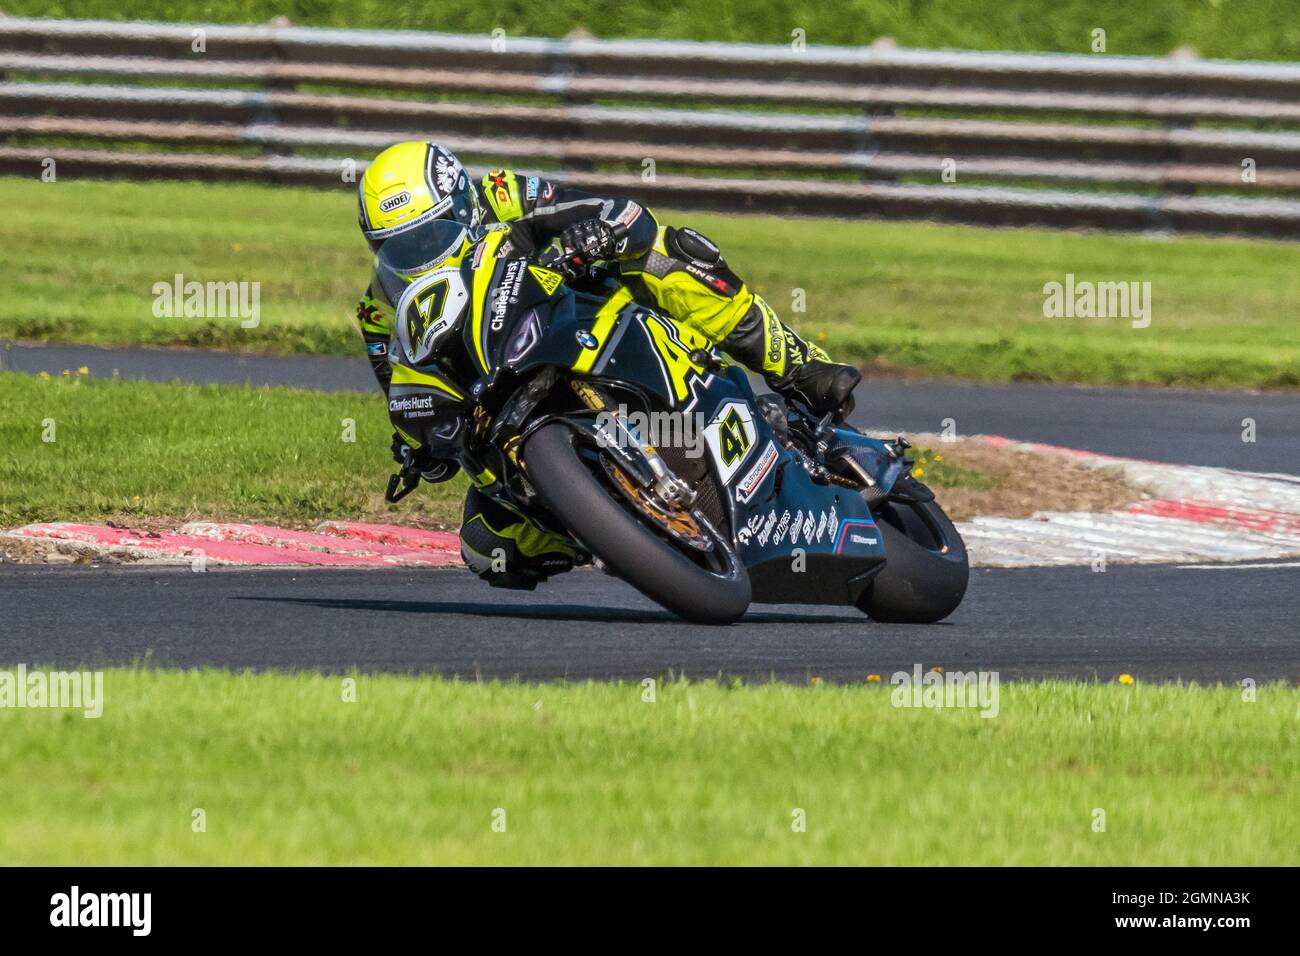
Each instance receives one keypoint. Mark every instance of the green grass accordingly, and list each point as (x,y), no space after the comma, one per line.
(132,451)
(939,473)
(1264,29)
(82,259)
(135,450)
(413,770)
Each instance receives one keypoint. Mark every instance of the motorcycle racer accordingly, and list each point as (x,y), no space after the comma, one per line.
(676,270)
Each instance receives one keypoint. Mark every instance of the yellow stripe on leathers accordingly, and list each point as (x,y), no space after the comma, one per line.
(482,279)
(691,301)
(606,319)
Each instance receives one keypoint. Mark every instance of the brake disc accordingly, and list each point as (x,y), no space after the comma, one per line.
(679,523)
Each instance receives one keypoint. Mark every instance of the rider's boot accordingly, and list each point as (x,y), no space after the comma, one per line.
(791,366)
(507,549)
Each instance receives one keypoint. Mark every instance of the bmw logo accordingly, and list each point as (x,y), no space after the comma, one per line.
(586,339)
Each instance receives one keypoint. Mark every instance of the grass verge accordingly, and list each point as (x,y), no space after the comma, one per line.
(82,259)
(147,453)
(141,451)
(412,772)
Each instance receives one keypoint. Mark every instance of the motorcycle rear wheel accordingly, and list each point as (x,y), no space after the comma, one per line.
(597,515)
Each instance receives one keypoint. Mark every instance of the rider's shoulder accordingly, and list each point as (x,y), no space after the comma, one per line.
(512,195)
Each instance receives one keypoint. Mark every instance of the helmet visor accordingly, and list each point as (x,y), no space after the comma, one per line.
(416,251)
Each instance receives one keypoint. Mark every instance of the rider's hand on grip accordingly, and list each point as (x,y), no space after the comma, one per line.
(588,241)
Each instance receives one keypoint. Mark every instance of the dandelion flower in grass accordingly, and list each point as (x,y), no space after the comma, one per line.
(1126,678)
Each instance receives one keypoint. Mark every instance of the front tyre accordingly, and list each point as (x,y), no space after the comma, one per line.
(593,511)
(926,569)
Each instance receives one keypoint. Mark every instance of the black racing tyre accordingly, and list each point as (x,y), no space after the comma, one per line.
(926,569)
(604,524)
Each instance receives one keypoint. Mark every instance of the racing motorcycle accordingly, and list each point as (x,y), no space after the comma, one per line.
(540,378)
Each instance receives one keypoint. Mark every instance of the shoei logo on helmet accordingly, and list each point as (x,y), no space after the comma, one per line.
(392,202)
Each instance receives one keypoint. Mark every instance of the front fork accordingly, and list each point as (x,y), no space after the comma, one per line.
(647,466)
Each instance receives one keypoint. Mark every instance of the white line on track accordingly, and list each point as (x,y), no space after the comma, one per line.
(1237,567)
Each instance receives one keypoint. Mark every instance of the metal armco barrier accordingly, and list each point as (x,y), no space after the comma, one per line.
(1063,140)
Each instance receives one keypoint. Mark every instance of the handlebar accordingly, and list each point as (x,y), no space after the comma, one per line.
(559,262)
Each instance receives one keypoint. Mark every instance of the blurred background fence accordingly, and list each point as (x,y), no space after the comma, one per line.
(1065,140)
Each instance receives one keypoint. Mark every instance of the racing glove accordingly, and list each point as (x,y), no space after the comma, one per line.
(588,241)
(432,470)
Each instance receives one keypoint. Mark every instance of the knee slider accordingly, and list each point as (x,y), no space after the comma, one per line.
(690,245)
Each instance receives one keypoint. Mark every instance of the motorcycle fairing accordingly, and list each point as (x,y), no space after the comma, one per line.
(614,338)
(777,508)
(771,504)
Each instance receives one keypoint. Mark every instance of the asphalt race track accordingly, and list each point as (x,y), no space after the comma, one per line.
(1156,623)
(1181,427)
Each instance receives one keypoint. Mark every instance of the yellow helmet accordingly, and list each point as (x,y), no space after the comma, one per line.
(412,183)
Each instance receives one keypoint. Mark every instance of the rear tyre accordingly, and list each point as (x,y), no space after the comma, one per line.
(926,569)
(592,511)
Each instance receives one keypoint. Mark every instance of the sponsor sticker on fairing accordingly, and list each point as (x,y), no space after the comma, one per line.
(855,531)
(782,527)
(746,534)
(412,406)
(506,294)
(753,478)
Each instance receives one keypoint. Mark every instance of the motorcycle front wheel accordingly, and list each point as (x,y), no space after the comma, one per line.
(581,489)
